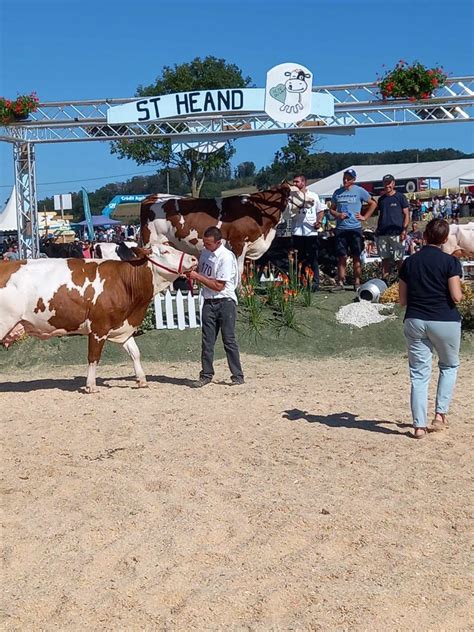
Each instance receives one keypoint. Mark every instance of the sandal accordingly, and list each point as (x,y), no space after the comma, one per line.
(439,424)
(420,433)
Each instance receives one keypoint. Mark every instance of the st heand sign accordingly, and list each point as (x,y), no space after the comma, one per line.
(287,98)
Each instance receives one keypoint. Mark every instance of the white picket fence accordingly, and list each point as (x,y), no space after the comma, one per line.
(178,311)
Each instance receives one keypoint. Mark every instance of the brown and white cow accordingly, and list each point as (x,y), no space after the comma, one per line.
(104,300)
(248,223)
(460,240)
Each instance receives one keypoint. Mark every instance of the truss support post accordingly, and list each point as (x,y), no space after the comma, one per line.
(26,208)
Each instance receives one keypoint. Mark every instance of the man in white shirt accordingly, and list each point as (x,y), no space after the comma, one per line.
(219,275)
(305,225)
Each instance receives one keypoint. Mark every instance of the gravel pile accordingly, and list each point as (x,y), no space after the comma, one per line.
(363,313)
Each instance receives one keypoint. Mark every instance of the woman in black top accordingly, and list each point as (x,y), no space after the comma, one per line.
(430,287)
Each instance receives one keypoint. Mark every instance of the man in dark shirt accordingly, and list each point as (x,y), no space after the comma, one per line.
(392,225)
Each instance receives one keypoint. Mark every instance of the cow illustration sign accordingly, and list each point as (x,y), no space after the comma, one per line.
(288,93)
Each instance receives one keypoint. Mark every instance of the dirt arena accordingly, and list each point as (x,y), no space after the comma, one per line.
(295,502)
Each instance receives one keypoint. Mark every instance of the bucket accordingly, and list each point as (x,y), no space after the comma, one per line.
(372,290)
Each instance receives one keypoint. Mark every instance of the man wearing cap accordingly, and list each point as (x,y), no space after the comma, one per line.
(305,226)
(346,205)
(393,220)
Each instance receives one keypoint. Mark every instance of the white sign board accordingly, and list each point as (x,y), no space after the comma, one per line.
(186,104)
(63,202)
(232,101)
(288,94)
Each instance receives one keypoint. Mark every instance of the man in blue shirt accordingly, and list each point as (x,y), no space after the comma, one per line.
(346,206)
(393,220)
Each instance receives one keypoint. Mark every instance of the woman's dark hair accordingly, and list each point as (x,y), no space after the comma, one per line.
(436,232)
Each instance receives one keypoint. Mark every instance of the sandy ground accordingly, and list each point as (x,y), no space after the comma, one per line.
(294,502)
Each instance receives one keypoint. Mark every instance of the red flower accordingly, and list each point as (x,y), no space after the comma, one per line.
(434,82)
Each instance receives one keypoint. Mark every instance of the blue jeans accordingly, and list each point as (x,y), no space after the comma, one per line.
(421,337)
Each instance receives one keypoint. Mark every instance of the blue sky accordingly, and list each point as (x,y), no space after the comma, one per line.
(78,50)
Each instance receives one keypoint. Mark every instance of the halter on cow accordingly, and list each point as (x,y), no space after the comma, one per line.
(105,300)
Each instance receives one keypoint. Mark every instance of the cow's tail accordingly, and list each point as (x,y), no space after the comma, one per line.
(98,251)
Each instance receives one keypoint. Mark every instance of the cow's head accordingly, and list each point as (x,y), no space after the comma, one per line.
(166,263)
(297,200)
(296,81)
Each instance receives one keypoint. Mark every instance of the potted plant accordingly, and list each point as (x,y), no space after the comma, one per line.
(19,109)
(413,82)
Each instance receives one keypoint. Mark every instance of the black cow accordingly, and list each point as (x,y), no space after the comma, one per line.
(277,254)
(61,251)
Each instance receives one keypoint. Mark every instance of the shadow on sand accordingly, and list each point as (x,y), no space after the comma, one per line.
(345,420)
(78,383)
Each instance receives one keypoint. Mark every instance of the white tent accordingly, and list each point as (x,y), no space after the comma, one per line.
(8,219)
(451,172)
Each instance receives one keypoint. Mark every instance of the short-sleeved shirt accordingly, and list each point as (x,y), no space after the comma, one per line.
(350,201)
(391,216)
(426,274)
(222,266)
(305,218)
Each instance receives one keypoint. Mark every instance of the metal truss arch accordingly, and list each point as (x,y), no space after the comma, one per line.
(357,106)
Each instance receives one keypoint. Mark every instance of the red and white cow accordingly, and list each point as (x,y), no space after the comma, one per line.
(460,240)
(248,223)
(104,300)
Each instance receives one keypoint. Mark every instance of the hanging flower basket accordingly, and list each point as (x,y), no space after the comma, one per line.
(413,82)
(19,109)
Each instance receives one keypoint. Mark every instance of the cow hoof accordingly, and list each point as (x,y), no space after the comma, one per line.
(142,384)
(91,389)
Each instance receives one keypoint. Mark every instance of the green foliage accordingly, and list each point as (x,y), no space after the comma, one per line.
(244,170)
(292,158)
(199,74)
(148,323)
(413,81)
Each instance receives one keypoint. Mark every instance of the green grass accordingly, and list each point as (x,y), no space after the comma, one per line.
(322,337)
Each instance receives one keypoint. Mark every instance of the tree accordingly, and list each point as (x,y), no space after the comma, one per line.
(245,170)
(199,74)
(294,157)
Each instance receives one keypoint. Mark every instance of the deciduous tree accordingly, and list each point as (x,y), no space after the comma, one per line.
(199,74)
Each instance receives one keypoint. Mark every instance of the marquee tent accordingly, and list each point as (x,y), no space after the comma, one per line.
(8,219)
(453,174)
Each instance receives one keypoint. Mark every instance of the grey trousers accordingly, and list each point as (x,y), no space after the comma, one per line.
(219,315)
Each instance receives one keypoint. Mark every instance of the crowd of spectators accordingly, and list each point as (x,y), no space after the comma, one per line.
(450,207)
(116,234)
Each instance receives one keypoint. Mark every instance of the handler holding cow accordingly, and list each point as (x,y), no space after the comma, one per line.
(306,222)
(218,273)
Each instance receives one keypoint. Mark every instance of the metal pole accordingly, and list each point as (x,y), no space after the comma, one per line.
(26,208)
